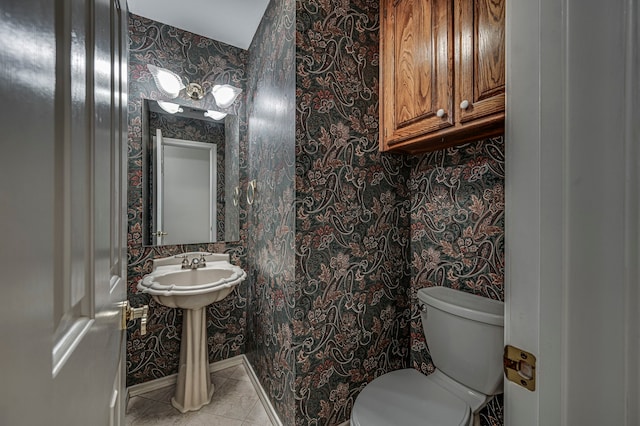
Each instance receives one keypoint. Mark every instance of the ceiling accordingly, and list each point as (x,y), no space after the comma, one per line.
(230,21)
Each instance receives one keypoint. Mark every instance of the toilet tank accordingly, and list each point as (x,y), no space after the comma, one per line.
(464,333)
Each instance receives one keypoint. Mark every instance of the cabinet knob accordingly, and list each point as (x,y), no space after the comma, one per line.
(464,104)
(440,113)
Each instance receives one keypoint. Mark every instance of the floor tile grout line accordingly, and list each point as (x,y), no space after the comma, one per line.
(154,399)
(234,374)
(250,410)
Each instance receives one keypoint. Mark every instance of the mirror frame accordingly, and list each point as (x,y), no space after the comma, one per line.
(231,183)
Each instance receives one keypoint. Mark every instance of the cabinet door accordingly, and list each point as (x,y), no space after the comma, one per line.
(417,71)
(481,58)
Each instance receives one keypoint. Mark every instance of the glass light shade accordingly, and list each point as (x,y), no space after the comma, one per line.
(168,82)
(225,94)
(216,115)
(170,107)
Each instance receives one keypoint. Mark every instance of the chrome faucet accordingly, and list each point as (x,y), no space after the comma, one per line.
(195,262)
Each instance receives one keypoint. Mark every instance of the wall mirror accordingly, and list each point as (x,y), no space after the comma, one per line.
(190,175)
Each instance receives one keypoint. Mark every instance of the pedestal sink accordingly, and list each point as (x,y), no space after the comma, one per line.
(211,279)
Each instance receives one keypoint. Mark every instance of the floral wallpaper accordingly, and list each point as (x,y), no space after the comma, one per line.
(352,313)
(457,233)
(192,129)
(340,237)
(156,354)
(271,119)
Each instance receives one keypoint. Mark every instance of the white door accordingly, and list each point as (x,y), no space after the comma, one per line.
(572,216)
(62,197)
(158,216)
(186,200)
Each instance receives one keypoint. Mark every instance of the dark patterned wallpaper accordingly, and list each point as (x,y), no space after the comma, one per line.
(340,237)
(271,119)
(156,354)
(351,316)
(457,233)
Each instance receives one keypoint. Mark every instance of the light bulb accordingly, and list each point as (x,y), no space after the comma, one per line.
(225,94)
(170,107)
(169,83)
(216,115)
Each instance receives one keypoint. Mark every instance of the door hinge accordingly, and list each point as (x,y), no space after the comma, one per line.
(130,314)
(520,367)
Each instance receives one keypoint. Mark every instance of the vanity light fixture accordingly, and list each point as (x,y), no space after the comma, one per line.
(170,84)
(170,107)
(225,94)
(215,115)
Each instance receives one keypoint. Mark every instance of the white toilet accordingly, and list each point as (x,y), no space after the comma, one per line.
(464,334)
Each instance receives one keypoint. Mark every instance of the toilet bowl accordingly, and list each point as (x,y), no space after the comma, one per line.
(465,337)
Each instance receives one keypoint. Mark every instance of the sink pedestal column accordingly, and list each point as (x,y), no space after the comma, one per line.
(194,388)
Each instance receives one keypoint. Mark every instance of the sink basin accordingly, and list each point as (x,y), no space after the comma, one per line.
(191,288)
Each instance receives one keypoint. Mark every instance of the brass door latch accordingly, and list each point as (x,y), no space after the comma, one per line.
(130,314)
(520,367)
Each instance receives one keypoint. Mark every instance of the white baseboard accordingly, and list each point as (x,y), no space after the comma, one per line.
(226,363)
(266,403)
(151,385)
(163,382)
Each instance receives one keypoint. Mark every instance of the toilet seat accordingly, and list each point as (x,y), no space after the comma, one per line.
(408,398)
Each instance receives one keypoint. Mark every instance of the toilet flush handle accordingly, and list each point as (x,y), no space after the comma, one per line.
(422,307)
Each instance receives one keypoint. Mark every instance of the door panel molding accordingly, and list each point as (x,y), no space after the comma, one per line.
(62,221)
(572,210)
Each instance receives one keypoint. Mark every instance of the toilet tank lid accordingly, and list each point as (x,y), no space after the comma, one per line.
(464,304)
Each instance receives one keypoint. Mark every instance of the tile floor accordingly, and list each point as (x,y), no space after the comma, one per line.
(235,403)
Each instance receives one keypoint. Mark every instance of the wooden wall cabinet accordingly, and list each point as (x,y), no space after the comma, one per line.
(442,73)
